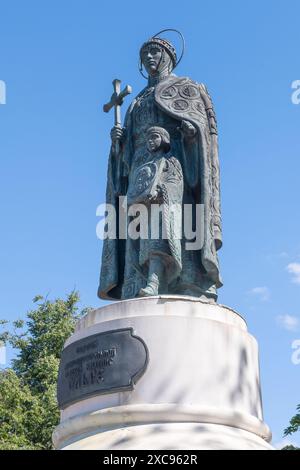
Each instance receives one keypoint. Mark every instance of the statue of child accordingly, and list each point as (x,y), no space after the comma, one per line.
(159,181)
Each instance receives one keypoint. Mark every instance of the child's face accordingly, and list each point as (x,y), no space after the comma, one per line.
(154,141)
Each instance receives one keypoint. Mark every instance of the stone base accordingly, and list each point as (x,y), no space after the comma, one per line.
(201,388)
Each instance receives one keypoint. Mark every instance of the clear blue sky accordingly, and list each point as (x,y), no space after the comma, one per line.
(58,59)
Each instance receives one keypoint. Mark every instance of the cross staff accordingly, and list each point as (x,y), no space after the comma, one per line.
(116,101)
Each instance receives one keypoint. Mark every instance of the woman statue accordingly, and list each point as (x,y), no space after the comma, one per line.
(183,110)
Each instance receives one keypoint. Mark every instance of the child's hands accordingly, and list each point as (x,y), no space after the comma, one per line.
(155,194)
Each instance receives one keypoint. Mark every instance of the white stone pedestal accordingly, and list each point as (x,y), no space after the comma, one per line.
(201,389)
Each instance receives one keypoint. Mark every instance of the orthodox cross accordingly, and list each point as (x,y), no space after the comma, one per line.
(116,101)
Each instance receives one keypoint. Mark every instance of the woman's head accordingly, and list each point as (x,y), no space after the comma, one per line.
(158,55)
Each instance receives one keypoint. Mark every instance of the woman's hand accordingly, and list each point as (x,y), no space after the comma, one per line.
(117,134)
(187,129)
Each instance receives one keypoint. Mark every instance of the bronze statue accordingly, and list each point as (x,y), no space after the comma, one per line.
(166,153)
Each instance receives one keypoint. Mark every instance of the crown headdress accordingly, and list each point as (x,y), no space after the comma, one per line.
(166,45)
(163,43)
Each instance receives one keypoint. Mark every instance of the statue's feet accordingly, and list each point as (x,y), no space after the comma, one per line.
(149,290)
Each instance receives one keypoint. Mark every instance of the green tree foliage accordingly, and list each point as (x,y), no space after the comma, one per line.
(292,428)
(28,406)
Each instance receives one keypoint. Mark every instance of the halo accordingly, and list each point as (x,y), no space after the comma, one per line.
(182,50)
(181,37)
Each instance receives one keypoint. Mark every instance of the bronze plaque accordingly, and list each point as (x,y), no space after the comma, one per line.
(106,362)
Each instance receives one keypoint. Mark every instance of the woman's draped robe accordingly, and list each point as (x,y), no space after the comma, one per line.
(166,105)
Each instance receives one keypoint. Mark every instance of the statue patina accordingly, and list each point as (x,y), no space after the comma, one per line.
(167,152)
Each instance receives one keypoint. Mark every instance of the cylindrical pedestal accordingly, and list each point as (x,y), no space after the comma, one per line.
(200,389)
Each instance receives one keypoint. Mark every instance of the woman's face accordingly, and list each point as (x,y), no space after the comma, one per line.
(151,57)
(154,141)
